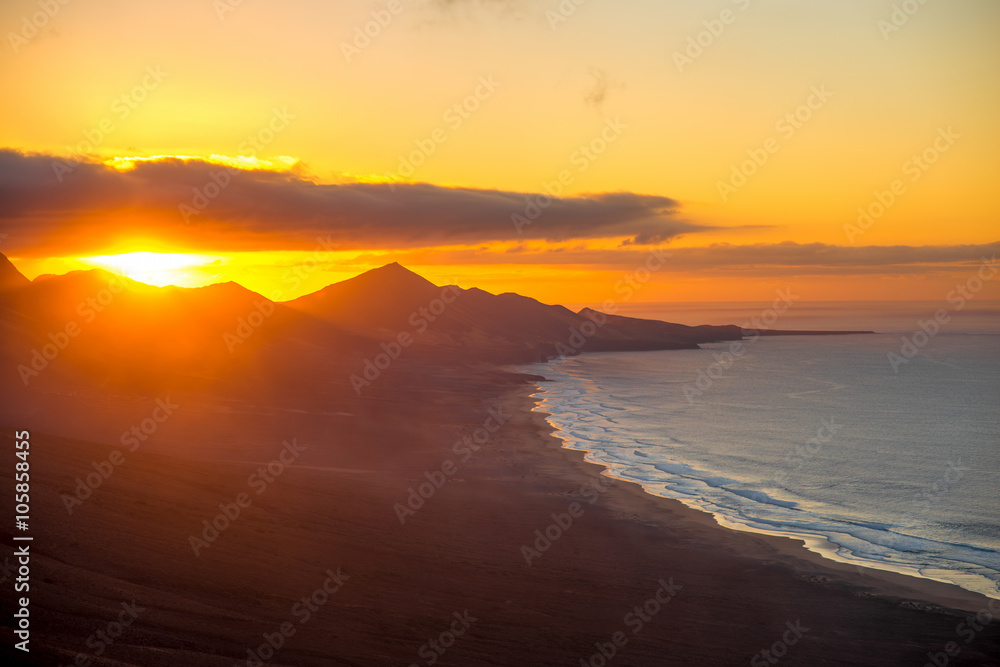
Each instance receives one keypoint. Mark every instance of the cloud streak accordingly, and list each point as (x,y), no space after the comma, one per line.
(597,94)
(725,260)
(272,209)
(419,224)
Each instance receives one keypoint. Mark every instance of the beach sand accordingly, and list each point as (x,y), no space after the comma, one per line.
(457,565)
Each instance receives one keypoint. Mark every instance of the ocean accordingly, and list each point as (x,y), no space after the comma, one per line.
(884,465)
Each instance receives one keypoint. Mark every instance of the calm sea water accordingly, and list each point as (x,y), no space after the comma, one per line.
(979,315)
(818,438)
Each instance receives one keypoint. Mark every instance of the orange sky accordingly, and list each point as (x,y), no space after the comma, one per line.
(748,157)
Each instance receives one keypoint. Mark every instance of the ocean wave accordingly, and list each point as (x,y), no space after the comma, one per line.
(657,464)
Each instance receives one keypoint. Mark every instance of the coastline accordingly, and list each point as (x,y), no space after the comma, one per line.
(463,550)
(876,581)
(699,457)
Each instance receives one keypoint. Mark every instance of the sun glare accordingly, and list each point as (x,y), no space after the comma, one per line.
(245,162)
(157,268)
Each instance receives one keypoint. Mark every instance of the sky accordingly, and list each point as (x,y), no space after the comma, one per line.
(846,148)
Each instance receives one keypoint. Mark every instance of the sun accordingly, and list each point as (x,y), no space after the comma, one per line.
(159,268)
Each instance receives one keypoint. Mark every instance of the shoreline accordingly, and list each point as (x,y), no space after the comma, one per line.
(887,582)
(461,550)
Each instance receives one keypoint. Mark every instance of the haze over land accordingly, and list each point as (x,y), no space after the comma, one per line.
(186,398)
(481,332)
(550,161)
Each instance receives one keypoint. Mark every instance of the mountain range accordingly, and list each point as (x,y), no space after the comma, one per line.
(97,321)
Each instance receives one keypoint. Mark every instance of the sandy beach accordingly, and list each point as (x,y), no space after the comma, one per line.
(338,561)
(279,282)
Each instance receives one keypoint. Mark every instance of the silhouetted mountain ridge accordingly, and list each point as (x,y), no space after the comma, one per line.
(114,327)
(473,322)
(131,329)
(10,277)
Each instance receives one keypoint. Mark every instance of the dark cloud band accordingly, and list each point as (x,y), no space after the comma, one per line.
(196,202)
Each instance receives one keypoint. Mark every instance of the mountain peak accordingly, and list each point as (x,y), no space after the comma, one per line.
(394,268)
(381,298)
(389,277)
(10,277)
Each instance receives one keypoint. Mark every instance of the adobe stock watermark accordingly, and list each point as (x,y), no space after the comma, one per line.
(922,503)
(454,118)
(630,283)
(967,630)
(302,611)
(928,497)
(797,459)
(465,447)
(562,522)
(915,167)
(562,12)
(100,641)
(366,35)
(40,358)
(420,320)
(88,309)
(31,25)
(258,481)
(436,647)
(122,107)
(219,180)
(725,360)
(224,7)
(901,14)
(779,649)
(635,620)
(303,270)
(249,324)
(697,44)
(929,328)
(581,158)
(132,439)
(246,326)
(787,126)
